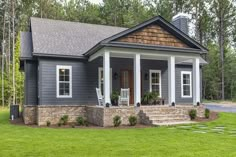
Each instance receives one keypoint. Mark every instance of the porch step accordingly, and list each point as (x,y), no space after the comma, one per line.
(164,116)
(170,117)
(173,123)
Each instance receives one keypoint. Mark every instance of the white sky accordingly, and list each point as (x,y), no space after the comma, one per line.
(96,1)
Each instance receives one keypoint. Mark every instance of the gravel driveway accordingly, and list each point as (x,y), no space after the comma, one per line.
(220,107)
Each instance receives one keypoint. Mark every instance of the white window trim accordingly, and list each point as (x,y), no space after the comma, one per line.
(182,86)
(70,81)
(150,80)
(99,78)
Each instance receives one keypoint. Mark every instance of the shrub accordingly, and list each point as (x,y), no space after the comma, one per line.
(117,121)
(48,123)
(192,114)
(80,121)
(64,119)
(59,123)
(73,125)
(86,122)
(132,120)
(207,113)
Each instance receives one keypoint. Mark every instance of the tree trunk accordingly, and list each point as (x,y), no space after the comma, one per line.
(221,44)
(13,52)
(3,52)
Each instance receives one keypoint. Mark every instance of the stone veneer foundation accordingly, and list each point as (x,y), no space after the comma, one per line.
(101,116)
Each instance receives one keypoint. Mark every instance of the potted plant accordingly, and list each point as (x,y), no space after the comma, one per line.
(155,98)
(146,98)
(114,98)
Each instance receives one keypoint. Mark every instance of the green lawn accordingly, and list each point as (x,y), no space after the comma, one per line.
(216,138)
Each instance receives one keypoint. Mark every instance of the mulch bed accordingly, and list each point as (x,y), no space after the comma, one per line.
(213,116)
(19,121)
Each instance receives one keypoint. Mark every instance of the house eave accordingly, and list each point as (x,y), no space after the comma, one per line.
(59,56)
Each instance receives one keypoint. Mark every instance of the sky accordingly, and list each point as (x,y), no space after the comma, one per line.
(96,1)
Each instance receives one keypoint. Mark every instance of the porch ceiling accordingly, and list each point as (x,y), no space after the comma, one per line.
(180,58)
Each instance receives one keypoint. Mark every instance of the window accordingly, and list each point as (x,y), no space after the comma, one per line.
(64,81)
(186,84)
(100,79)
(155,81)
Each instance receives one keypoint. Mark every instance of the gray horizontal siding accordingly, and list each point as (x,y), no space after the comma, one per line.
(147,65)
(48,82)
(85,79)
(178,69)
(31,83)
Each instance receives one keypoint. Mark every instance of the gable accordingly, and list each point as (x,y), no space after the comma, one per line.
(153,35)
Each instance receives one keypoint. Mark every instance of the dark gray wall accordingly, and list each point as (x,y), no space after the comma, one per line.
(178,69)
(47,79)
(147,65)
(85,79)
(30,69)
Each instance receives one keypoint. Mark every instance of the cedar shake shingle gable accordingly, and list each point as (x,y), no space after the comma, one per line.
(153,35)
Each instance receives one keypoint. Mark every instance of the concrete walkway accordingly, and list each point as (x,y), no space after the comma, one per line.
(221,107)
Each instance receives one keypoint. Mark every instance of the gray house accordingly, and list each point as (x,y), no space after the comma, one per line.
(64,62)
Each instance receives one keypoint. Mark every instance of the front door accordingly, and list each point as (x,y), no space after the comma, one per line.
(126,81)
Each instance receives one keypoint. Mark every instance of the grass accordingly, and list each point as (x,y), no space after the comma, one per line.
(155,141)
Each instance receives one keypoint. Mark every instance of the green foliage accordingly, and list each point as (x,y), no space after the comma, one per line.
(80,121)
(150,98)
(116,121)
(132,120)
(207,113)
(193,114)
(64,119)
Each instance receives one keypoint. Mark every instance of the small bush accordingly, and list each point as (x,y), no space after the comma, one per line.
(64,119)
(73,125)
(48,123)
(132,120)
(86,122)
(59,124)
(80,121)
(207,113)
(117,121)
(193,114)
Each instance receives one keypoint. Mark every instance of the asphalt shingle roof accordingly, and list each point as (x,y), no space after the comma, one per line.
(26,45)
(56,37)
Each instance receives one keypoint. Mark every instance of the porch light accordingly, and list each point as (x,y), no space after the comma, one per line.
(115,76)
(146,76)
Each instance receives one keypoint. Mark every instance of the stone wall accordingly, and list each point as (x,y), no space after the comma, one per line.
(53,113)
(30,114)
(95,115)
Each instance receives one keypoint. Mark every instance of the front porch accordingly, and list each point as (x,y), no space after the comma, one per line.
(147,71)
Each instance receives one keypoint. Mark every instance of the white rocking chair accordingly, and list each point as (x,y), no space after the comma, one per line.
(124,96)
(101,101)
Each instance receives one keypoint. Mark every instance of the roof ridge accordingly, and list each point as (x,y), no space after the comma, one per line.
(75,22)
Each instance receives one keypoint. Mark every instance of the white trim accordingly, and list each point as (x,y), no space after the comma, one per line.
(70,80)
(99,78)
(137,79)
(196,81)
(171,80)
(182,89)
(106,77)
(150,80)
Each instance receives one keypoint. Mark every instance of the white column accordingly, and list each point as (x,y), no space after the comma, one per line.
(106,77)
(196,81)
(137,80)
(171,79)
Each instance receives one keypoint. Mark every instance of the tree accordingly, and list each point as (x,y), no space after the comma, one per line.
(224,13)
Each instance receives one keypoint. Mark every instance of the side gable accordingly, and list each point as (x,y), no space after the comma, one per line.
(153,35)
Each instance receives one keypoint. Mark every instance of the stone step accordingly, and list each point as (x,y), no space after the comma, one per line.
(163,117)
(168,120)
(173,123)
